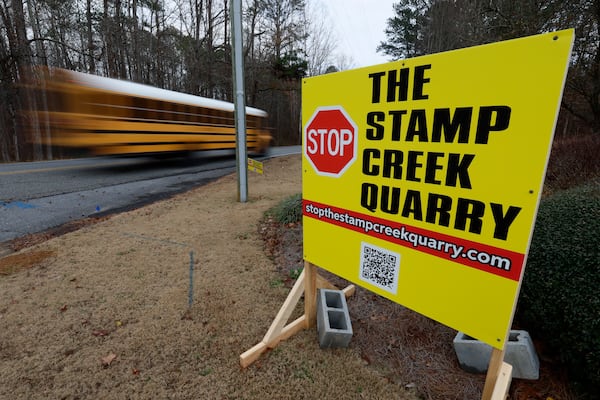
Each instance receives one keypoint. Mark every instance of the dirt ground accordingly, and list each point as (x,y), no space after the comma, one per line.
(102,313)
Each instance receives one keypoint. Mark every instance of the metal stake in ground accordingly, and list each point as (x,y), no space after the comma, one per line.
(191,288)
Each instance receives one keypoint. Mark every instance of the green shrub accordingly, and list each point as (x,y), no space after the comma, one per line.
(560,296)
(288,211)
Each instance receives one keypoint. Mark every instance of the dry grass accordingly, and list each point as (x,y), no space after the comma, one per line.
(106,316)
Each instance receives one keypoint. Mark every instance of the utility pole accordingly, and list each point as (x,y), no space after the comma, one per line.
(237,57)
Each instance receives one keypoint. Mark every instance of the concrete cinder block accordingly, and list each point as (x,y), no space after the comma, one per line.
(333,319)
(474,355)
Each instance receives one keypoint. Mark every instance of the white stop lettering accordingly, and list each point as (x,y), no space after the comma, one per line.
(328,141)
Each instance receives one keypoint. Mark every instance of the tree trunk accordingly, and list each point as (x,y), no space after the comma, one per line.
(90,37)
(209,43)
(119,33)
(22,56)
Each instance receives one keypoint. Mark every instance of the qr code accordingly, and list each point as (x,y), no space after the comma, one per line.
(379,267)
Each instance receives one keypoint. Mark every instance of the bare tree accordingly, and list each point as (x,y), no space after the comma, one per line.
(177,44)
(582,98)
(90,37)
(13,18)
(320,42)
(281,20)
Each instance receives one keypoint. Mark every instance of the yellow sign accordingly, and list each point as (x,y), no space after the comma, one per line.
(422,177)
(256,166)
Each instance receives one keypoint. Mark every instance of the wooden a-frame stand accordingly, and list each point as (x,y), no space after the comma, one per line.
(307,283)
(499,373)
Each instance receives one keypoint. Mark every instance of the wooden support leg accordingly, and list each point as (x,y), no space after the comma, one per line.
(503,382)
(286,309)
(310,294)
(279,330)
(493,373)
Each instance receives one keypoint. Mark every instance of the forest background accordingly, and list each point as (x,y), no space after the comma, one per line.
(185,45)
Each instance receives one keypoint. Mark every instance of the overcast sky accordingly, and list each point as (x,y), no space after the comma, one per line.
(359,27)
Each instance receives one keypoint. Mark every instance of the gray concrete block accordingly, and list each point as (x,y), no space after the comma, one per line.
(333,320)
(474,355)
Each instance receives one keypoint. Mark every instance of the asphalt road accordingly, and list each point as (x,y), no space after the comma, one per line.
(41,195)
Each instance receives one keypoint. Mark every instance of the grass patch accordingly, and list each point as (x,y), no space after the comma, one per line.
(18,262)
(288,211)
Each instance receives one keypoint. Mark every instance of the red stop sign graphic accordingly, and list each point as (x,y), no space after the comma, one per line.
(330,142)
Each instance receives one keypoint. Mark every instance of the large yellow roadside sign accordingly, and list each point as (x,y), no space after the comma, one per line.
(422,177)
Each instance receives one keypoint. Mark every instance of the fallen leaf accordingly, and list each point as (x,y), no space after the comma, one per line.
(366,358)
(106,361)
(100,332)
(64,308)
